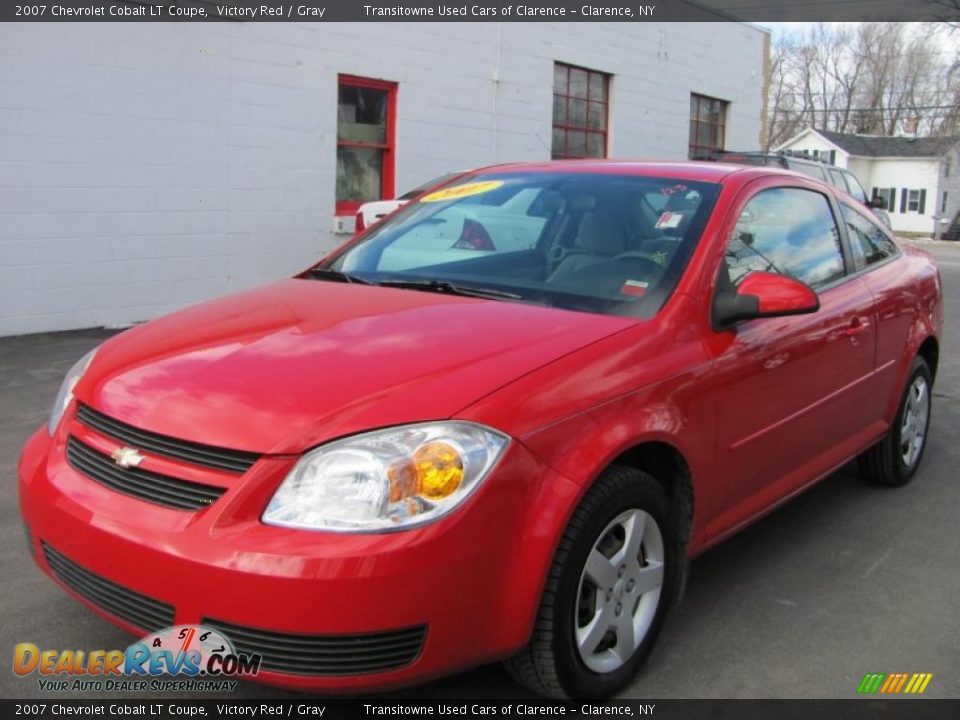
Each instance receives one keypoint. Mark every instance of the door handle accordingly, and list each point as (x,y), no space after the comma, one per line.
(857,327)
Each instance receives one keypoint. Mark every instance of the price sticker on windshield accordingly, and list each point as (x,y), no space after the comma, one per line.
(669,220)
(461,191)
(636,288)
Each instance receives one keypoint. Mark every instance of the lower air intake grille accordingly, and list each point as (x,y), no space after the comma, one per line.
(326,654)
(139,610)
(152,487)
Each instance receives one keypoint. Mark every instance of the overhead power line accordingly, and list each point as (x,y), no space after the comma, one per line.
(802,111)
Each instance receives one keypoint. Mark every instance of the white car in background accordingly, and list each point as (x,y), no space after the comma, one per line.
(471,228)
(376,210)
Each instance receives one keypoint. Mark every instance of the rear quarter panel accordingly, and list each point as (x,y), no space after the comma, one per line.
(909,306)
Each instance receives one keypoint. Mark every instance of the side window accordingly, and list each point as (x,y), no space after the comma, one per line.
(869,243)
(790,231)
(810,169)
(836,179)
(856,189)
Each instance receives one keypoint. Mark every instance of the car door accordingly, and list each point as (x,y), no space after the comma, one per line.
(874,255)
(792,393)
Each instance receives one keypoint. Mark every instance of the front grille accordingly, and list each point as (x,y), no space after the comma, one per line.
(139,610)
(142,484)
(235,461)
(326,654)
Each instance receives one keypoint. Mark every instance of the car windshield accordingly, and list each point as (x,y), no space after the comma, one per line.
(421,189)
(606,243)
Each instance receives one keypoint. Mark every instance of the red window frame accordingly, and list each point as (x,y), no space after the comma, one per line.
(389,146)
(562,152)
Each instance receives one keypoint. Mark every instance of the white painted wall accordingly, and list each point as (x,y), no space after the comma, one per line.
(949,183)
(144,167)
(899,173)
(913,174)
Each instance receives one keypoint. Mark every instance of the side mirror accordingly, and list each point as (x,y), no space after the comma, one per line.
(760,295)
(877,202)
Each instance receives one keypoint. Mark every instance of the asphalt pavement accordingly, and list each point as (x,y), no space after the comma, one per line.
(844,580)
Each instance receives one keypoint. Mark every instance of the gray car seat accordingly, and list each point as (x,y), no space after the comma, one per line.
(600,237)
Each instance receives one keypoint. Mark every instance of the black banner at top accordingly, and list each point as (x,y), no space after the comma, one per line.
(477,10)
(382,708)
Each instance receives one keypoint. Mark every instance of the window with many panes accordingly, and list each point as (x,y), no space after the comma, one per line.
(580,112)
(365,141)
(708,125)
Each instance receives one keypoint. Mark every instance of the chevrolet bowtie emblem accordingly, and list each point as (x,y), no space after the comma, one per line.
(126,457)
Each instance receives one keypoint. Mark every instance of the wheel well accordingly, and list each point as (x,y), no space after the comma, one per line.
(930,351)
(669,468)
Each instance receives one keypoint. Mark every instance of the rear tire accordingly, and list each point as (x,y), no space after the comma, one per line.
(603,606)
(894,460)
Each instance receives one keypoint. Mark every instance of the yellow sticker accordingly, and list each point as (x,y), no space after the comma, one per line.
(462,191)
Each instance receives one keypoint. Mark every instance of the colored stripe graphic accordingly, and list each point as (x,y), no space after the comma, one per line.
(871,682)
(908,683)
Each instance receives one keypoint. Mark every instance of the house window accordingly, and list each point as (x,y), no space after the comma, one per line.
(889,197)
(943,203)
(708,122)
(366,137)
(580,112)
(913,201)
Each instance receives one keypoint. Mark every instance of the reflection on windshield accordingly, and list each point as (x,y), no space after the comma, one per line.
(604,243)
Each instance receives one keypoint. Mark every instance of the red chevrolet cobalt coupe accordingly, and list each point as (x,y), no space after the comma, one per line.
(494,426)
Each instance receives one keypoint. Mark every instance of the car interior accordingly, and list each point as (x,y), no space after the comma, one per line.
(611,239)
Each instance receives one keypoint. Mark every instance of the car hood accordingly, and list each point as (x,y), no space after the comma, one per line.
(289,365)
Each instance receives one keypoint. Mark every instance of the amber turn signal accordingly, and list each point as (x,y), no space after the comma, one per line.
(439,470)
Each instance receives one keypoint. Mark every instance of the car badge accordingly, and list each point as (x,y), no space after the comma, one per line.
(126,457)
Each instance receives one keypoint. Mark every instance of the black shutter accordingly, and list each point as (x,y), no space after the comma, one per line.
(903,200)
(833,157)
(923,200)
(892,207)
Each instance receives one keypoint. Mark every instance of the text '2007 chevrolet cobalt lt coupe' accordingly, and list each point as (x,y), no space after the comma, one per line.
(493,426)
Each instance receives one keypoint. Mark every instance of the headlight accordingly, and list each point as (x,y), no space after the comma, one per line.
(66,390)
(388,479)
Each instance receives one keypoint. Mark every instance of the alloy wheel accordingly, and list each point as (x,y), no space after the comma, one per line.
(619,591)
(913,428)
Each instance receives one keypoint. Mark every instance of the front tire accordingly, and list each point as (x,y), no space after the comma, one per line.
(895,459)
(614,576)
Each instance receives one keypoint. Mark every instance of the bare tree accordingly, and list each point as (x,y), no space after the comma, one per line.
(881,79)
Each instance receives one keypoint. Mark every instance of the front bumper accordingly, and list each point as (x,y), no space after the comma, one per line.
(470,581)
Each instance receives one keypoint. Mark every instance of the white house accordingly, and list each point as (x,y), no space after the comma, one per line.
(919,178)
(147,166)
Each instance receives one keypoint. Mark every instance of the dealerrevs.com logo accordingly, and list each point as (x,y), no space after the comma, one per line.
(199,658)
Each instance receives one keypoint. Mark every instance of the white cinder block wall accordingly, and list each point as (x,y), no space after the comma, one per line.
(144,167)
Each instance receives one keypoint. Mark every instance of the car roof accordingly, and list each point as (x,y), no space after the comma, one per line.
(704,171)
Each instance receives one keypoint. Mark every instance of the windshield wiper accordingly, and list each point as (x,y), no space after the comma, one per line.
(337,276)
(444,286)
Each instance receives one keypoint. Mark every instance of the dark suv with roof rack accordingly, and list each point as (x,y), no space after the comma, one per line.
(819,169)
